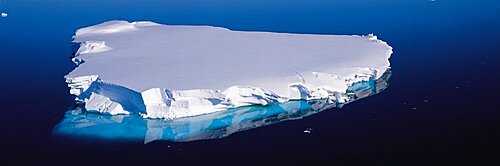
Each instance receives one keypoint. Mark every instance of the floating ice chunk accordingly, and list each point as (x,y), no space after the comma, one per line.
(179,71)
(4,15)
(308,130)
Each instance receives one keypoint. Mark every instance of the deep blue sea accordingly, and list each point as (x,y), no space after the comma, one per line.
(441,107)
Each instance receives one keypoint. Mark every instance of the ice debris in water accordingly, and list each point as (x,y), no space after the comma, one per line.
(308,130)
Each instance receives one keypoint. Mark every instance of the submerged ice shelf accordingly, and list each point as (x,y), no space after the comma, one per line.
(81,124)
(172,71)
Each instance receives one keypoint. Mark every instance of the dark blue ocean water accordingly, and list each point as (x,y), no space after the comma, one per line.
(440,107)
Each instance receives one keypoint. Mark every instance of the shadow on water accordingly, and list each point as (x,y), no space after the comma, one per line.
(78,123)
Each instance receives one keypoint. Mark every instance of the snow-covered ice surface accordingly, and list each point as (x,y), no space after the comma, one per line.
(173,71)
(81,124)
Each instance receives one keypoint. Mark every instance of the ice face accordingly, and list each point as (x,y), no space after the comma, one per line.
(180,71)
(78,123)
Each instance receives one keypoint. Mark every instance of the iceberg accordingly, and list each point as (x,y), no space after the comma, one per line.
(79,123)
(176,71)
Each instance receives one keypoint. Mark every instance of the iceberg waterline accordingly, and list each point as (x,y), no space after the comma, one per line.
(167,71)
(79,123)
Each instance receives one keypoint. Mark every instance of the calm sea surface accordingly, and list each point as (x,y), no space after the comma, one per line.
(441,106)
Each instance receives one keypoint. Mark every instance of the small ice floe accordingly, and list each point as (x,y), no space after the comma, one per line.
(308,130)
(4,15)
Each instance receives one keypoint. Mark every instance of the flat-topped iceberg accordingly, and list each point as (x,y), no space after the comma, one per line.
(173,71)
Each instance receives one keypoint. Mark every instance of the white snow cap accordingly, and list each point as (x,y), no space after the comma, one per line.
(203,69)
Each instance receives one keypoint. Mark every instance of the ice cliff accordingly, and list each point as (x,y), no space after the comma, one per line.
(173,71)
(79,124)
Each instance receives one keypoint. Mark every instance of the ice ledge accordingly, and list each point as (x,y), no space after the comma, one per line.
(80,84)
(78,123)
(102,97)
